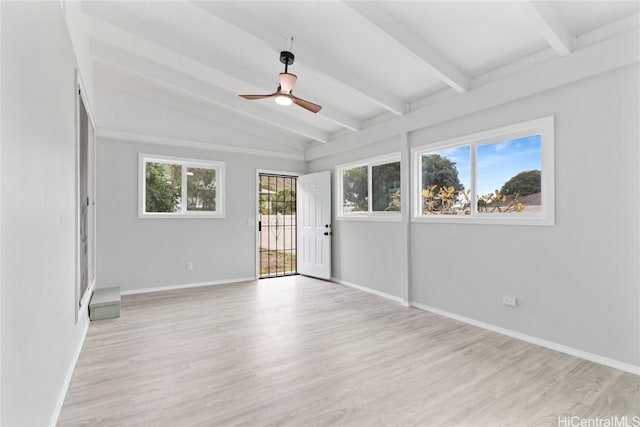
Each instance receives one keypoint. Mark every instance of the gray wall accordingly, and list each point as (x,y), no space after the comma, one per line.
(577,282)
(365,253)
(39,333)
(144,253)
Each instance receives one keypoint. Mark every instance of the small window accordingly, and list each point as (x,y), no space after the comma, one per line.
(180,188)
(385,187)
(509,176)
(355,190)
(446,175)
(503,176)
(369,189)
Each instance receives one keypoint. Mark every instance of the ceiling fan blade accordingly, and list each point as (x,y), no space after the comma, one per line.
(258,96)
(287,80)
(314,108)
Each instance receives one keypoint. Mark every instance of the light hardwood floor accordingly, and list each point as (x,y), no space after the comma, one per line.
(301,352)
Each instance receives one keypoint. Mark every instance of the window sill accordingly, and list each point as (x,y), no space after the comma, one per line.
(377,218)
(494,220)
(181,216)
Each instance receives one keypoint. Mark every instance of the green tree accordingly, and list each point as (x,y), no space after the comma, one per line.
(162,187)
(285,202)
(440,171)
(201,189)
(443,173)
(355,189)
(385,183)
(523,184)
(264,204)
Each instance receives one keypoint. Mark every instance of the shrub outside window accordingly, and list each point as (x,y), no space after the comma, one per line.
(369,189)
(501,176)
(173,187)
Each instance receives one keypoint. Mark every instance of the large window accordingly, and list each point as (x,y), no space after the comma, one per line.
(369,189)
(500,176)
(180,188)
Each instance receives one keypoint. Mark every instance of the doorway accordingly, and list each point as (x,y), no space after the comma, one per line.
(314,227)
(85,200)
(277,229)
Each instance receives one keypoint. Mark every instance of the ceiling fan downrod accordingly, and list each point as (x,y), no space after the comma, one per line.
(287,59)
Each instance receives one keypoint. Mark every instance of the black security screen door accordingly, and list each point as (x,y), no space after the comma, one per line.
(277,225)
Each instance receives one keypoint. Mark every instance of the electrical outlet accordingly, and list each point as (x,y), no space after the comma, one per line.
(512,301)
(189,266)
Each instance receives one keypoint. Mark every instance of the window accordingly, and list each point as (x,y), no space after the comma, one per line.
(369,189)
(180,188)
(502,176)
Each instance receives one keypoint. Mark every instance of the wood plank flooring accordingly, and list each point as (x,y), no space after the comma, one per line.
(301,352)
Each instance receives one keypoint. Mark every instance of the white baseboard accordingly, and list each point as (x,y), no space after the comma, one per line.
(67,379)
(606,361)
(534,340)
(369,290)
(187,285)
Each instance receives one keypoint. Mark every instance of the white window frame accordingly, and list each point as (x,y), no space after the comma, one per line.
(543,127)
(370,215)
(219,167)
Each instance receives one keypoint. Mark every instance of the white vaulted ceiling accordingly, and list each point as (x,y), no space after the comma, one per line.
(364,62)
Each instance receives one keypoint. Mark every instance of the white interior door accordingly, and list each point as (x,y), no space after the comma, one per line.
(314,225)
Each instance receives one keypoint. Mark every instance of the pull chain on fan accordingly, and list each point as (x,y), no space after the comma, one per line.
(283,95)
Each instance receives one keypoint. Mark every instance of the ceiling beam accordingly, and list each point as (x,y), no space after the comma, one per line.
(190,79)
(612,29)
(341,118)
(116,85)
(199,51)
(118,135)
(549,25)
(409,43)
(608,55)
(275,42)
(380,97)
(176,81)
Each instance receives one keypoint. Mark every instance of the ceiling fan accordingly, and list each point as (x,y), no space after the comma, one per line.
(283,94)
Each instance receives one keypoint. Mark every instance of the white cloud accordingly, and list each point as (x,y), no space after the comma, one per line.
(500,146)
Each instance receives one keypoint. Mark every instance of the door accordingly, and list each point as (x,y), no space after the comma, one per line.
(83,197)
(277,238)
(314,225)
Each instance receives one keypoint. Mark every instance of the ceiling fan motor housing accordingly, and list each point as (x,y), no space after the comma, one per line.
(287,57)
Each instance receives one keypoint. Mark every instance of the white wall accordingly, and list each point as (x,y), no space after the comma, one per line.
(40,336)
(144,253)
(0,213)
(577,282)
(79,36)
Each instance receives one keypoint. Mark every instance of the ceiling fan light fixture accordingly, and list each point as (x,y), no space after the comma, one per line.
(283,100)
